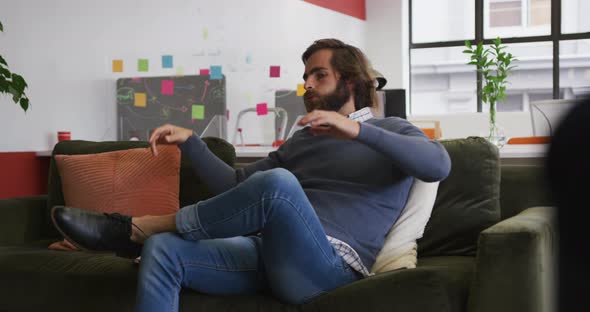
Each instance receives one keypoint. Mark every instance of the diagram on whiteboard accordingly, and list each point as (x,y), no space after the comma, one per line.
(194,102)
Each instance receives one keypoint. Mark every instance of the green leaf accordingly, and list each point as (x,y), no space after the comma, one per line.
(24,103)
(1,27)
(5,73)
(497,41)
(4,86)
(19,83)
(468,44)
(467,51)
(3,61)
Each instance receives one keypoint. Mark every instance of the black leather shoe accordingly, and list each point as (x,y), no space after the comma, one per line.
(90,230)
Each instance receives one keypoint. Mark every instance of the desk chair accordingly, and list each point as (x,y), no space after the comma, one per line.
(279,112)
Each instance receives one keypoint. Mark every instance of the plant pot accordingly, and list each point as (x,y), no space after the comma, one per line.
(496,135)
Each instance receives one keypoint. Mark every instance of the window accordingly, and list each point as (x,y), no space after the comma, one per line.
(540,12)
(453,20)
(574,72)
(440,80)
(574,16)
(516,18)
(505,13)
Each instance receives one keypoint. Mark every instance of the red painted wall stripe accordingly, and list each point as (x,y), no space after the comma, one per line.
(354,8)
(23,174)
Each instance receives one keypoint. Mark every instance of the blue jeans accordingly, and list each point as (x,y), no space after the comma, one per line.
(261,235)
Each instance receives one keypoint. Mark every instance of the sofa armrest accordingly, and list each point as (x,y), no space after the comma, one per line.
(515,264)
(22,219)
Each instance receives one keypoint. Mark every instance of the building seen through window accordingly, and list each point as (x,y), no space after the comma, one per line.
(440,80)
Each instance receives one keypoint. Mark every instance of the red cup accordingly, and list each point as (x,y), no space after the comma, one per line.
(64,136)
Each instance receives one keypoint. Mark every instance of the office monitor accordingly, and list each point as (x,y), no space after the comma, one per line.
(547,114)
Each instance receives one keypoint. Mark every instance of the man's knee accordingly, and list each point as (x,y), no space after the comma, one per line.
(276,179)
(158,247)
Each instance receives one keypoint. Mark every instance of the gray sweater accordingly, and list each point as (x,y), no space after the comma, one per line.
(357,187)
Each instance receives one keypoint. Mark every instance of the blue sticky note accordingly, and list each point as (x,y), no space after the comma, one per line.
(167,61)
(215,72)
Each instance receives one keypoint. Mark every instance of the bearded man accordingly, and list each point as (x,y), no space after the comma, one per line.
(307,219)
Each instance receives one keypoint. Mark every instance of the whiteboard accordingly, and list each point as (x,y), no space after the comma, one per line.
(193,102)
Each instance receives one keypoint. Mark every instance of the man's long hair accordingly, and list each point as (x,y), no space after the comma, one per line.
(352,65)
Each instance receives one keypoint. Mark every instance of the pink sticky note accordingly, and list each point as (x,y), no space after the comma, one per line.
(203,72)
(167,87)
(261,109)
(275,71)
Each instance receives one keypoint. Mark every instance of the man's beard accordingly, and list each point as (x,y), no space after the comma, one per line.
(331,102)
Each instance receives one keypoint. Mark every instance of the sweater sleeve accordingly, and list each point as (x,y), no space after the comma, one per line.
(408,148)
(214,172)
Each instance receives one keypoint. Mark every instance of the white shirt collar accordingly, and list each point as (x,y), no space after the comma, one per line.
(361,114)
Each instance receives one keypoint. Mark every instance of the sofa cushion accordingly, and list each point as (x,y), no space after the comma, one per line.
(130,182)
(36,279)
(191,188)
(437,284)
(400,248)
(467,201)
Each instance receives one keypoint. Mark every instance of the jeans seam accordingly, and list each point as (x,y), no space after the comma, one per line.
(326,257)
(217,268)
(315,294)
(199,227)
(175,290)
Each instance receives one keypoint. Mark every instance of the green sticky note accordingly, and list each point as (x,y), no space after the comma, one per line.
(142,65)
(198,112)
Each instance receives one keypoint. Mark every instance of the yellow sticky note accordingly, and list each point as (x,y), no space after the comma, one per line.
(300,89)
(179,71)
(140,100)
(117,66)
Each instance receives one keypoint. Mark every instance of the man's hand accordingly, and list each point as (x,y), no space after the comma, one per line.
(168,134)
(331,123)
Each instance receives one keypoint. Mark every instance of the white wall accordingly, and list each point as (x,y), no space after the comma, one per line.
(387,41)
(64,49)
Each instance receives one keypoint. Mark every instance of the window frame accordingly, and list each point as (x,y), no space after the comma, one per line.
(556,36)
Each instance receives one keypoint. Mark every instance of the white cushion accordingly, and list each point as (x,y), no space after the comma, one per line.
(400,247)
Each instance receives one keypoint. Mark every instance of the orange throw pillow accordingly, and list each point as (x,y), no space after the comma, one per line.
(131,182)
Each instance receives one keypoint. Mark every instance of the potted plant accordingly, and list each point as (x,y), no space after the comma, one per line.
(494,64)
(12,83)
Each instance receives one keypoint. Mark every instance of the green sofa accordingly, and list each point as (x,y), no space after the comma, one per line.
(489,246)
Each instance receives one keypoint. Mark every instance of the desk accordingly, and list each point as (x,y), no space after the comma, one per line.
(523,154)
(509,153)
(249,154)
(524,150)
